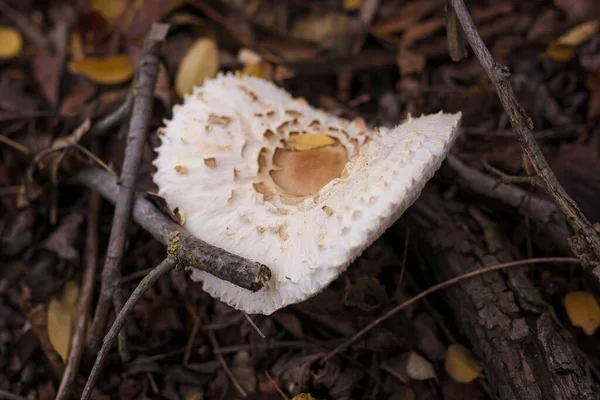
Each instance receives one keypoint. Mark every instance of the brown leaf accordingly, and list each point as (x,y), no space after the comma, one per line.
(62,239)
(80,92)
(577,168)
(404,17)
(410,61)
(365,293)
(578,10)
(428,340)
(333,31)
(47,70)
(290,323)
(16,233)
(243,371)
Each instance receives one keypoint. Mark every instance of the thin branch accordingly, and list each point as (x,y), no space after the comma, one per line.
(187,249)
(283,396)
(85,301)
(163,268)
(522,126)
(213,339)
(114,118)
(435,288)
(147,74)
(543,212)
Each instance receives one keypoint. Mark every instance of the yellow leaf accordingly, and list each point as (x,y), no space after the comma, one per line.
(309,141)
(558,52)
(581,33)
(261,69)
(76,47)
(199,63)
(11,42)
(564,48)
(107,71)
(61,319)
(461,365)
(109,9)
(583,311)
(303,396)
(353,5)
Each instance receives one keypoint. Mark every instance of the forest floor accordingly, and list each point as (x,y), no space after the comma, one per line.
(67,66)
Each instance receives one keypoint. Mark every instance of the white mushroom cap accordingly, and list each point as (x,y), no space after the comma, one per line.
(225,162)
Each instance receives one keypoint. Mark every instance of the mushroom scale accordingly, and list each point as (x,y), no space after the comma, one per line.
(235,162)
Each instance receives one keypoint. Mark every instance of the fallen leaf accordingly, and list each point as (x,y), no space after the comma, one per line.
(243,371)
(330,30)
(47,70)
(261,69)
(583,311)
(564,48)
(107,71)
(248,57)
(79,93)
(410,61)
(405,17)
(62,239)
(11,42)
(578,10)
(309,142)
(461,365)
(303,396)
(353,5)
(199,63)
(418,368)
(62,317)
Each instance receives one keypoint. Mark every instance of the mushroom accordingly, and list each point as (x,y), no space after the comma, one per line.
(261,174)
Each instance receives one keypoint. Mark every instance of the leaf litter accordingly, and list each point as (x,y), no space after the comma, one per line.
(82,72)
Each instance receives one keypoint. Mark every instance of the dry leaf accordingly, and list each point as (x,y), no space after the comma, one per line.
(353,5)
(107,71)
(583,311)
(11,42)
(410,61)
(461,365)
(243,371)
(247,57)
(564,48)
(200,62)
(261,69)
(310,142)
(62,317)
(417,367)
(330,30)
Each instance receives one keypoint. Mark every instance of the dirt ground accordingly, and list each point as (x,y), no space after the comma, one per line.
(66,74)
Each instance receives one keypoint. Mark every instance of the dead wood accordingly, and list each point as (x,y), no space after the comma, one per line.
(526,352)
(522,126)
(187,249)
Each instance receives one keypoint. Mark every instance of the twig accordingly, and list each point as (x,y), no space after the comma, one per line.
(187,249)
(192,338)
(111,120)
(9,396)
(15,145)
(85,301)
(163,268)
(283,396)
(522,126)
(147,74)
(435,288)
(213,339)
(256,328)
(544,213)
(511,179)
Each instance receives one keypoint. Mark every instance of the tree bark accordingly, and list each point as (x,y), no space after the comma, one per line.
(526,351)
